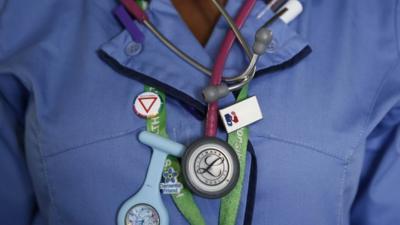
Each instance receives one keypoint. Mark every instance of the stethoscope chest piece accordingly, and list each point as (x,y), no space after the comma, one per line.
(210,167)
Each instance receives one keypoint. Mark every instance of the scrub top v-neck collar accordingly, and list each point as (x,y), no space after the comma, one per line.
(166,18)
(154,64)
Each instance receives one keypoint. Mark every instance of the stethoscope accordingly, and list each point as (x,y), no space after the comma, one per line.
(209,144)
(233,82)
(203,154)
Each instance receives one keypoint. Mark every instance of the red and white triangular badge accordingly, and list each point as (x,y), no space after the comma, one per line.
(147,104)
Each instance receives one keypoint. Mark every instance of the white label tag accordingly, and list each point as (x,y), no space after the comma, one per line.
(241,114)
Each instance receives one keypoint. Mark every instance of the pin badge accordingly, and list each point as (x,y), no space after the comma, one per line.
(170,184)
(241,114)
(147,104)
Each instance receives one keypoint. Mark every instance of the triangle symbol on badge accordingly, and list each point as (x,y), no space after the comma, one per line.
(147,102)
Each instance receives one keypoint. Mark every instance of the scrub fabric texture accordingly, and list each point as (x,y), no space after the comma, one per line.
(327,150)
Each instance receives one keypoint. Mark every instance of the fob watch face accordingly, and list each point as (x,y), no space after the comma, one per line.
(142,214)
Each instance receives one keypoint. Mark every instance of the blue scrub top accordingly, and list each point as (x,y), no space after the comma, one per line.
(327,150)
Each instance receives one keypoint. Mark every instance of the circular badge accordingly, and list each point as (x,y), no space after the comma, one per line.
(142,214)
(147,104)
(210,167)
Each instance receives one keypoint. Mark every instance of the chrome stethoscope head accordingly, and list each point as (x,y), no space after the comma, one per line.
(210,167)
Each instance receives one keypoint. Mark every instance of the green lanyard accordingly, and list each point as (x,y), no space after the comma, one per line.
(184,200)
(238,140)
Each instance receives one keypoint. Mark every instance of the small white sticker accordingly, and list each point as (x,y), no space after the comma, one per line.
(241,114)
(147,104)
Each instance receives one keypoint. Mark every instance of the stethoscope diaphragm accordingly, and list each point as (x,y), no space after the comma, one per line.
(210,167)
